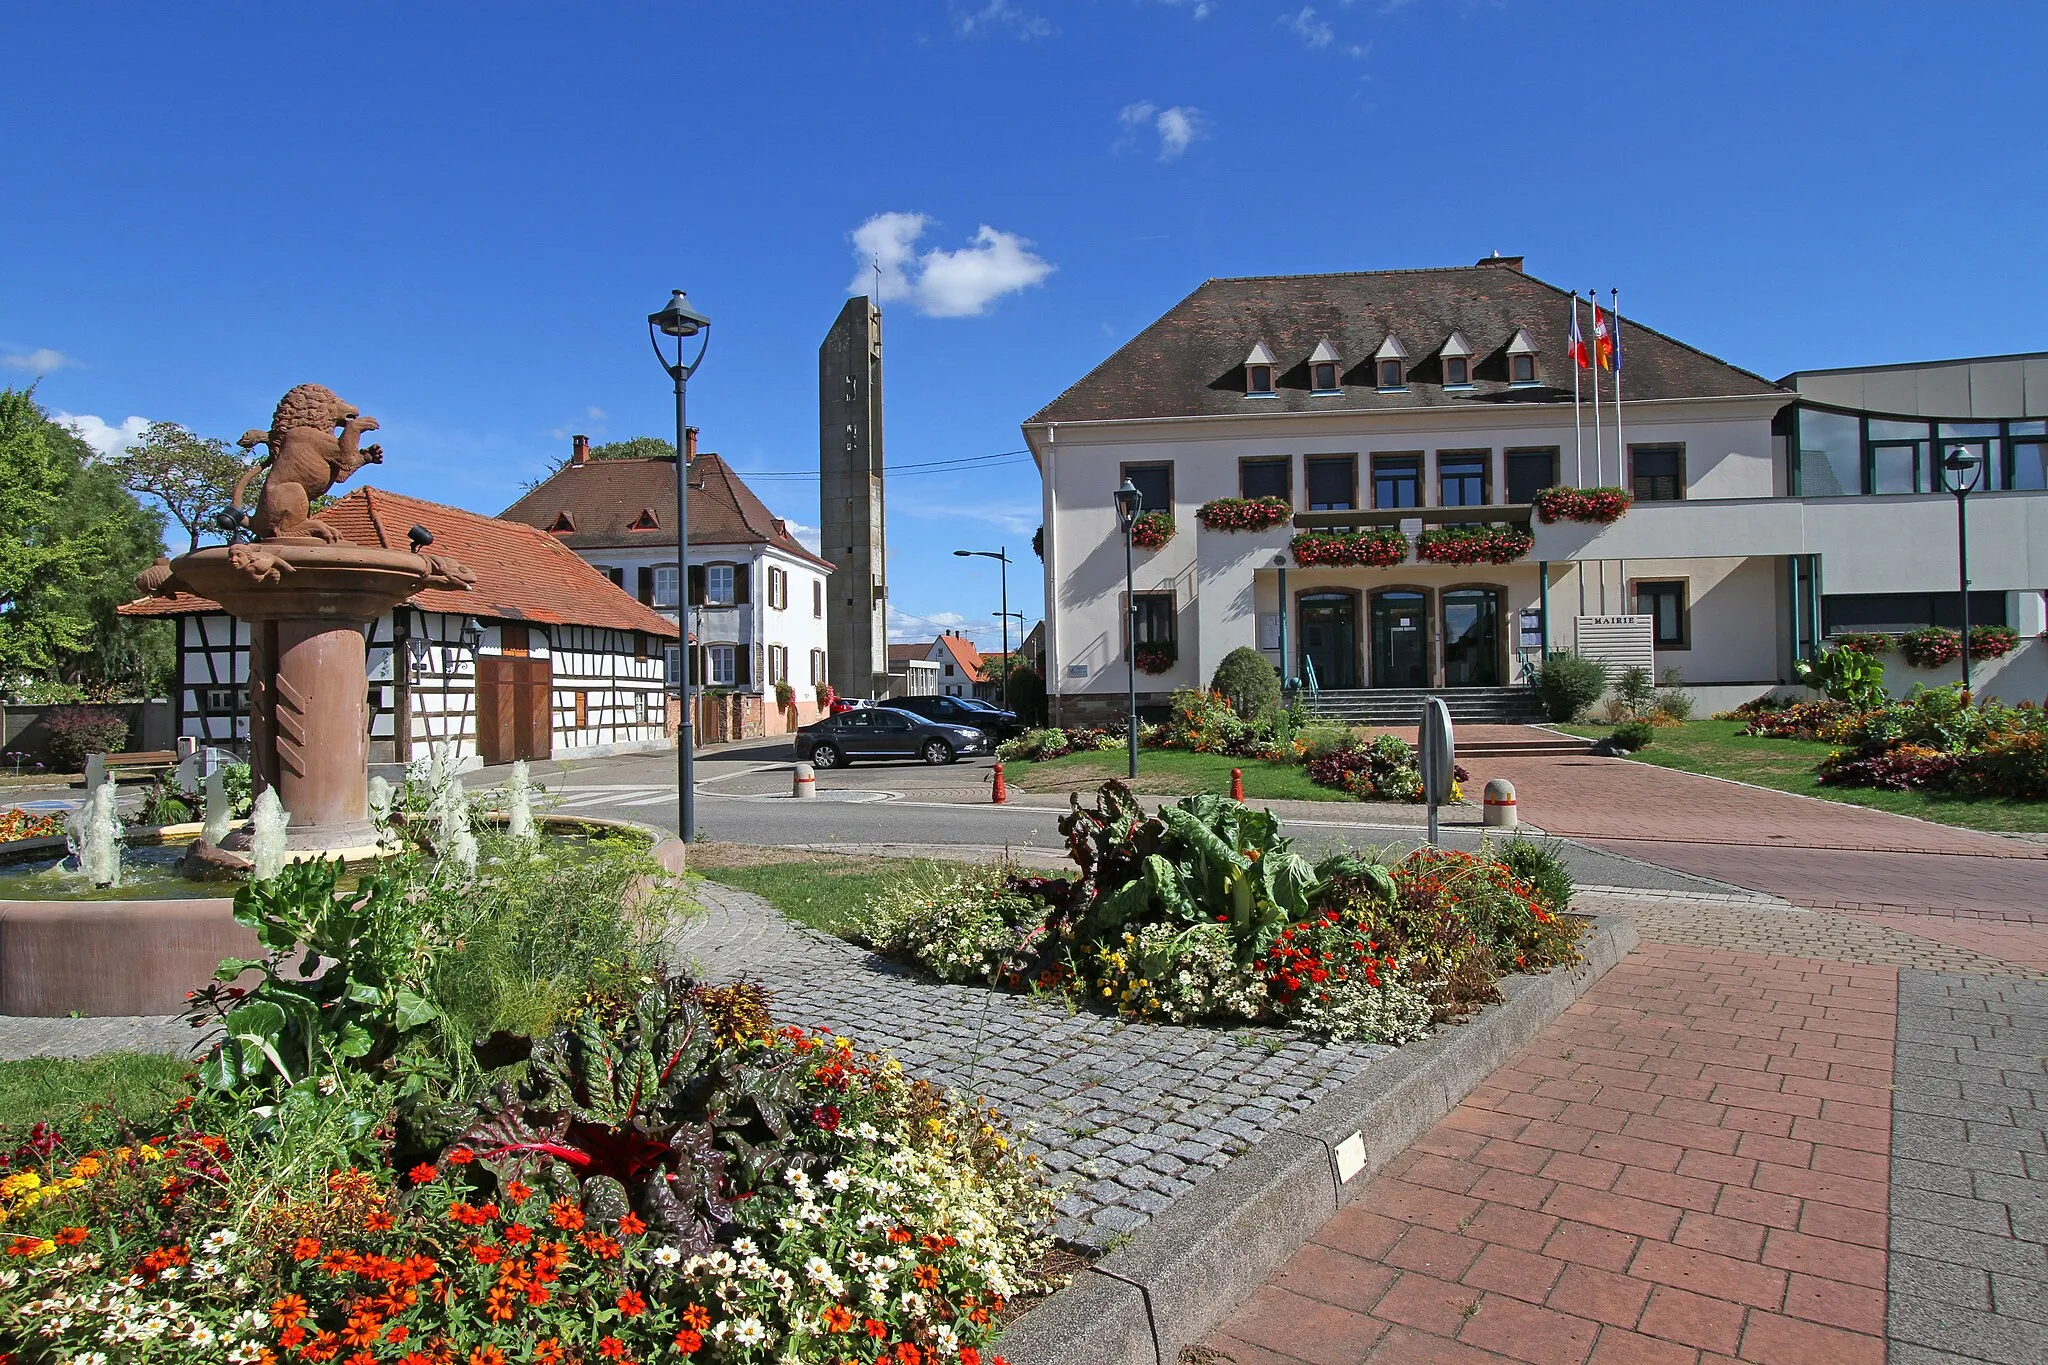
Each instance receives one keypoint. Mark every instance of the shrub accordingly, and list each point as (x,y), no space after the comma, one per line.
(1247,681)
(162,805)
(1822,720)
(1322,740)
(1034,745)
(75,731)
(1635,690)
(1542,867)
(1905,768)
(1201,722)
(1379,547)
(1844,675)
(1673,701)
(1863,642)
(1473,544)
(1244,514)
(1570,684)
(1632,735)
(962,924)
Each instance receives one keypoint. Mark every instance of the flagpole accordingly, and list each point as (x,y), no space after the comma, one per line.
(1578,423)
(1620,449)
(1599,442)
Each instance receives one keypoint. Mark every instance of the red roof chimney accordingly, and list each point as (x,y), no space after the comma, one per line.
(579,450)
(689,443)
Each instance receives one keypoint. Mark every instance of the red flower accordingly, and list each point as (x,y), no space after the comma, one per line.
(305,1249)
(379,1220)
(877,1330)
(611,1348)
(631,1225)
(631,1303)
(697,1316)
(422,1174)
(461,1156)
(565,1215)
(826,1116)
(519,1193)
(549,1352)
(688,1341)
(518,1234)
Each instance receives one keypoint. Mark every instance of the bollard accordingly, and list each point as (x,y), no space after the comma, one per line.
(1237,784)
(1500,803)
(999,792)
(805,781)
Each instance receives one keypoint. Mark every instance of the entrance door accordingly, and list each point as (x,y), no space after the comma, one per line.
(514,711)
(1472,637)
(1329,637)
(1400,640)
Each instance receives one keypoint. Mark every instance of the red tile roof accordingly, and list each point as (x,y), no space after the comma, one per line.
(522,574)
(964,654)
(604,504)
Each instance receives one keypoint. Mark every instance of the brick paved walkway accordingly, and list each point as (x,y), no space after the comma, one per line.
(1687,1166)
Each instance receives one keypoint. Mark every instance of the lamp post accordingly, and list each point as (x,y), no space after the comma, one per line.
(682,322)
(1280,563)
(1002,558)
(1960,473)
(1128,504)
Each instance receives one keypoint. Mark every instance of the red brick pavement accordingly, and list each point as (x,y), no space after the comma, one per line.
(1688,1166)
(2025,944)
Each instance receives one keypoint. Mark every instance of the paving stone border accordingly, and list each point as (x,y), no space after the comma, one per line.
(1183,1272)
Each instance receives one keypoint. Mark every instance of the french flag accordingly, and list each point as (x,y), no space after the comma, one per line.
(1578,351)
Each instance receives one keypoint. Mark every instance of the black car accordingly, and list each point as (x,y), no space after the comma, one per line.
(990,720)
(884,732)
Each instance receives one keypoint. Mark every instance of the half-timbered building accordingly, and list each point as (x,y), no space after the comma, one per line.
(543,657)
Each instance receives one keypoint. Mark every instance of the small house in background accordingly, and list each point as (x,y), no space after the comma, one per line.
(959,665)
(912,672)
(756,596)
(544,657)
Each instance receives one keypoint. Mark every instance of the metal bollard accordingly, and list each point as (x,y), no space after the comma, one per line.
(999,791)
(1237,784)
(805,781)
(1500,803)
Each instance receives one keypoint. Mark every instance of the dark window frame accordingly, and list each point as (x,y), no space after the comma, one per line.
(1524,358)
(1677,451)
(1379,370)
(1124,471)
(1285,463)
(1553,454)
(1389,459)
(1258,381)
(1484,459)
(1464,372)
(1681,589)
(1308,465)
(1150,614)
(1318,370)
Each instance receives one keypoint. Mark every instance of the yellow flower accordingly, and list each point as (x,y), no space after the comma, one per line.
(150,1153)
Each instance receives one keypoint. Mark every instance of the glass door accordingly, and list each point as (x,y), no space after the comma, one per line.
(1329,638)
(1400,640)
(1472,637)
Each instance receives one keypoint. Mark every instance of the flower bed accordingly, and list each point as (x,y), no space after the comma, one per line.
(1384,770)
(16,823)
(1053,741)
(1244,514)
(1601,506)
(1379,547)
(1930,646)
(1473,544)
(1152,530)
(1205,912)
(1933,740)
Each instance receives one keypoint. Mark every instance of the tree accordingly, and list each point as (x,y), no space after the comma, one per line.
(192,476)
(638,448)
(71,541)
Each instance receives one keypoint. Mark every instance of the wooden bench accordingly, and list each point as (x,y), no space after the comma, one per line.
(144,763)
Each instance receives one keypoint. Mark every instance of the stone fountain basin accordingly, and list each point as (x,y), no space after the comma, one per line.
(141,957)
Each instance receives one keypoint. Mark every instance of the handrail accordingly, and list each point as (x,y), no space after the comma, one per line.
(1308,666)
(1513,513)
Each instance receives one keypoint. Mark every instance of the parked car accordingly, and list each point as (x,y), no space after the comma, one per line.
(884,732)
(841,705)
(991,720)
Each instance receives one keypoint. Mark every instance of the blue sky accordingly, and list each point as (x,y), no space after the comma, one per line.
(460,221)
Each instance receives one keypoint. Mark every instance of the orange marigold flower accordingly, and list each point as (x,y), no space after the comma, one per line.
(486,1253)
(501,1305)
(907,1353)
(518,1234)
(416,1269)
(461,1156)
(486,1355)
(565,1215)
(697,1316)
(688,1341)
(362,1358)
(611,1348)
(291,1336)
(899,1235)
(363,1330)
(927,1277)
(538,1294)
(287,1310)
(519,1192)
(397,1335)
(837,1319)
(549,1352)
(69,1237)
(324,1346)
(631,1225)
(599,1245)
(877,1330)
(631,1303)
(379,1220)
(422,1174)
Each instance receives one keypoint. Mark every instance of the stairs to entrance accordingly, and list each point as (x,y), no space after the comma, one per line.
(1394,707)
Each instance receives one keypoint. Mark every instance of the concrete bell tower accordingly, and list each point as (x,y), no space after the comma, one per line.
(852,528)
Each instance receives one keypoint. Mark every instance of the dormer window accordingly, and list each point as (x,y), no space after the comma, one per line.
(1523,370)
(1258,372)
(1389,363)
(563,522)
(1457,362)
(1323,367)
(646,521)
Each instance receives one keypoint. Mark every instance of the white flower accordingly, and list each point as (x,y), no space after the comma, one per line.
(720,1263)
(219,1241)
(866,1132)
(170,1272)
(208,1269)
(90,1358)
(912,1301)
(797,1178)
(869,1221)
(901,1162)
(245,1353)
(878,1285)
(780,1278)
(744,1246)
(789,1223)
(817,1270)
(754,1268)
(749,1332)
(837,1180)
(885,1263)
(948,1340)
(666,1256)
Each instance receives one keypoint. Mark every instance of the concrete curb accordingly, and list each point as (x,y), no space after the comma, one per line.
(1187,1269)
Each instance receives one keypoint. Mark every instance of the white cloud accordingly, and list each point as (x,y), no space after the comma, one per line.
(1309,28)
(940,283)
(806,536)
(595,414)
(995,14)
(1200,9)
(1177,126)
(42,360)
(105,440)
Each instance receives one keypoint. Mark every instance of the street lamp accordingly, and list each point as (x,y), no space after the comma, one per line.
(682,322)
(1002,557)
(1128,504)
(1960,474)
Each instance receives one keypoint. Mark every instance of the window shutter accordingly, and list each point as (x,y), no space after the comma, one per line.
(696,585)
(742,584)
(646,584)
(697,664)
(742,672)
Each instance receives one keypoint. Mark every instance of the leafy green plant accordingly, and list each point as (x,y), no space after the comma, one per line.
(1631,735)
(1246,680)
(1844,675)
(1541,866)
(1570,684)
(1673,701)
(238,781)
(1635,690)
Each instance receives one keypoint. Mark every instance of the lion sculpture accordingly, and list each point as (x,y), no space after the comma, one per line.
(306,459)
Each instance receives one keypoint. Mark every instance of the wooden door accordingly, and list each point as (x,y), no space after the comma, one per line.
(535,704)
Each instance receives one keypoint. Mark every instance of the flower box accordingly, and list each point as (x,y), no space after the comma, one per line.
(1863,642)
(1244,514)
(1599,506)
(1152,530)
(1993,642)
(1155,658)
(1473,544)
(1931,646)
(1378,548)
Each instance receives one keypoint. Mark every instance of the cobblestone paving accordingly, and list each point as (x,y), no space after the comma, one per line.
(1124,1116)
(1969,1197)
(1766,925)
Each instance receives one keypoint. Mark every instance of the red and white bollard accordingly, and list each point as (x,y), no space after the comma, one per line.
(999,792)
(1237,784)
(1500,803)
(804,782)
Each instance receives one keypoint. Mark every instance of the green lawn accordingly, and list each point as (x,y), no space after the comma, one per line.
(823,893)
(1171,772)
(140,1086)
(1718,748)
